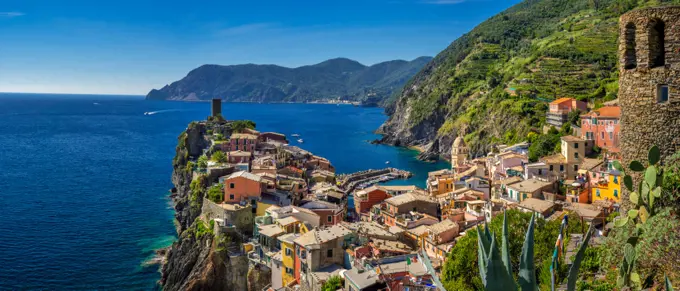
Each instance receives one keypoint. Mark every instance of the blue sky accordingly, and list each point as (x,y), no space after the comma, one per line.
(130,47)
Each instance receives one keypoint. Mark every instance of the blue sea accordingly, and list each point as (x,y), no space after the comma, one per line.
(84,179)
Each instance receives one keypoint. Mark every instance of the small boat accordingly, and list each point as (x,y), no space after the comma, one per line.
(300,140)
(295,135)
(387,162)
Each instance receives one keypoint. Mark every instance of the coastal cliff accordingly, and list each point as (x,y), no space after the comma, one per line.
(198,260)
(492,85)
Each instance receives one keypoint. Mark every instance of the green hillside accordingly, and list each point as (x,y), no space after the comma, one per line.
(493,83)
(338,78)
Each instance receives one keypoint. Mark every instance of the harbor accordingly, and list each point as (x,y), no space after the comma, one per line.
(367,178)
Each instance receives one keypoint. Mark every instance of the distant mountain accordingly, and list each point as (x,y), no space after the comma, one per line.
(332,79)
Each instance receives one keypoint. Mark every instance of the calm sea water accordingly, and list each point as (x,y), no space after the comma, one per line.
(84,179)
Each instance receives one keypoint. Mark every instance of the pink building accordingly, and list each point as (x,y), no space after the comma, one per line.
(242,142)
(602,127)
(238,157)
(241,186)
(560,108)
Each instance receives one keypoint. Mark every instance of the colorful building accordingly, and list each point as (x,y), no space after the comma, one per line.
(558,113)
(365,199)
(607,187)
(602,127)
(242,142)
(241,186)
(406,203)
(288,257)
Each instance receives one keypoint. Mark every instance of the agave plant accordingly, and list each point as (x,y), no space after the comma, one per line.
(496,270)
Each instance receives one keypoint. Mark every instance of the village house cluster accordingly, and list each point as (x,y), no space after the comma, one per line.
(292,213)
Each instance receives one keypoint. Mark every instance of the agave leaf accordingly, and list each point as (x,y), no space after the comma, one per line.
(623,220)
(654,155)
(632,214)
(497,277)
(487,233)
(629,253)
(669,287)
(628,181)
(527,270)
(657,192)
(481,255)
(576,264)
(634,197)
(644,214)
(636,166)
(617,165)
(505,254)
(650,176)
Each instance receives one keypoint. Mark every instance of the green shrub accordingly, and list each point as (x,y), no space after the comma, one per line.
(333,283)
(216,193)
(219,156)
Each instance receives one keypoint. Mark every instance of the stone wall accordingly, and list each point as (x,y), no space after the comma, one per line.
(241,217)
(646,122)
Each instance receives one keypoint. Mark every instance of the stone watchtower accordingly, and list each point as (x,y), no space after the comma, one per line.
(215,107)
(649,84)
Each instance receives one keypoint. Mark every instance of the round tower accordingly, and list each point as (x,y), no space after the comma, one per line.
(459,153)
(649,84)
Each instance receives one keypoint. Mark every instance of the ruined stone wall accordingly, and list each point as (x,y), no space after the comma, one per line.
(646,122)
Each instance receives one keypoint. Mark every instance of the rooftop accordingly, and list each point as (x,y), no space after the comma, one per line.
(243,135)
(317,236)
(571,138)
(537,205)
(287,220)
(239,154)
(605,112)
(246,175)
(590,164)
(562,100)
(530,185)
(289,237)
(554,159)
(399,188)
(407,198)
(442,226)
(420,230)
(271,230)
(362,279)
(368,228)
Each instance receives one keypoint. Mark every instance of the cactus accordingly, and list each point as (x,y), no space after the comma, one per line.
(648,189)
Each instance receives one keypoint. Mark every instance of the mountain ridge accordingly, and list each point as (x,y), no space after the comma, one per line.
(338,78)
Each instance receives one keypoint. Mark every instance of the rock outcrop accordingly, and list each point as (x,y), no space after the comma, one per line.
(197,262)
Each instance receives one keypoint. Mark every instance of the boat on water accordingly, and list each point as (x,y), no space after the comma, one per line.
(295,135)
(388,162)
(300,140)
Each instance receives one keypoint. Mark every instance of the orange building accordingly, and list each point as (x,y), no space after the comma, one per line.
(365,199)
(560,108)
(242,186)
(602,127)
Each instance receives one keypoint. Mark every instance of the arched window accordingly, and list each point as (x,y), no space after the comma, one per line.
(630,57)
(657,54)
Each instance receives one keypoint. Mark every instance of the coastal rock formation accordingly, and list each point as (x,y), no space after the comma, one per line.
(196,262)
(492,85)
(337,78)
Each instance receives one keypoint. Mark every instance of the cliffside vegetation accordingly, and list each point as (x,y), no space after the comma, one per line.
(492,84)
(337,78)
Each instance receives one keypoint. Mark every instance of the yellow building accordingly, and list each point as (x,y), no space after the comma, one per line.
(288,257)
(607,188)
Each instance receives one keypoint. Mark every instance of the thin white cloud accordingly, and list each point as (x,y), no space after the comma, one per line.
(245,28)
(11,14)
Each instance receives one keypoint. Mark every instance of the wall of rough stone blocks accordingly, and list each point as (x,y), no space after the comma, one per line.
(645,122)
